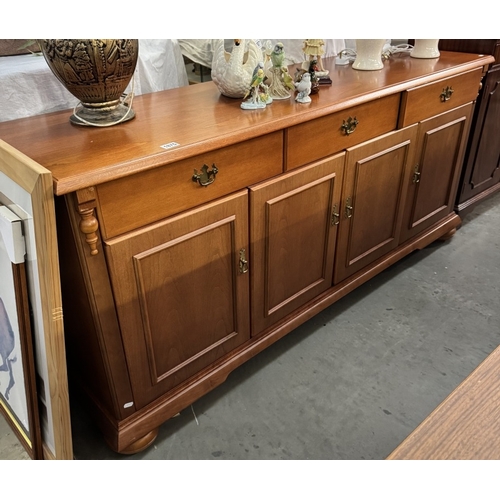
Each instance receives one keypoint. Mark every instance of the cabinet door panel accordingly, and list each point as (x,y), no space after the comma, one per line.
(181,300)
(433,185)
(293,234)
(486,169)
(373,200)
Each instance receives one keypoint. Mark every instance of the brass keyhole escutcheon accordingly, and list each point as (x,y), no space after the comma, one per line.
(446,94)
(205,177)
(349,126)
(243,262)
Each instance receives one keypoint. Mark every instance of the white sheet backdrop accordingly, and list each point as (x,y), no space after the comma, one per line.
(28,87)
(200,50)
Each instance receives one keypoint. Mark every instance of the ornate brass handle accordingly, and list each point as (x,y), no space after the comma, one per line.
(349,126)
(243,262)
(446,94)
(348,208)
(416,174)
(335,216)
(205,177)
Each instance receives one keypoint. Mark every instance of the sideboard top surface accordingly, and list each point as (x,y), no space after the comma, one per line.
(198,119)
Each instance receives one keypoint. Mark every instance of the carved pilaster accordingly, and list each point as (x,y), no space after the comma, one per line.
(89,224)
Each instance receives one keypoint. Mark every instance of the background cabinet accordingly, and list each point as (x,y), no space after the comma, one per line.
(481,166)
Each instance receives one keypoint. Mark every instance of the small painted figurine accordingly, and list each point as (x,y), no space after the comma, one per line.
(277,72)
(311,68)
(257,96)
(303,88)
(315,49)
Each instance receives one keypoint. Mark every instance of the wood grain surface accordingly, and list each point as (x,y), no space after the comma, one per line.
(465,426)
(199,119)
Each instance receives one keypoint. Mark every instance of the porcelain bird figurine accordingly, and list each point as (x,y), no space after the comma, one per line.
(232,71)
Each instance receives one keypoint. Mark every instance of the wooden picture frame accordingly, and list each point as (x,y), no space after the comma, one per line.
(18,394)
(26,188)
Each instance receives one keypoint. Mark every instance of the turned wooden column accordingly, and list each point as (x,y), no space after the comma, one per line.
(88,223)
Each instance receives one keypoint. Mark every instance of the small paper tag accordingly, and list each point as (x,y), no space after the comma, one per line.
(169,145)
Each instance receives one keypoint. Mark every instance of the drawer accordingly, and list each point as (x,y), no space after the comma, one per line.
(324,136)
(134,201)
(432,99)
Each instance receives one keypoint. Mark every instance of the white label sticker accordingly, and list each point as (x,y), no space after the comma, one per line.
(169,145)
(128,405)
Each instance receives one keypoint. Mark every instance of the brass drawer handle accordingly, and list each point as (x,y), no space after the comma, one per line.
(446,94)
(348,208)
(335,216)
(349,126)
(205,177)
(416,174)
(243,262)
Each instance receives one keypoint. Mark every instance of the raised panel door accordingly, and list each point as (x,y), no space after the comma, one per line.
(433,184)
(373,200)
(181,299)
(483,161)
(293,228)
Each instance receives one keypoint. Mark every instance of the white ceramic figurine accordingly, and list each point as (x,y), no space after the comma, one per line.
(303,88)
(232,71)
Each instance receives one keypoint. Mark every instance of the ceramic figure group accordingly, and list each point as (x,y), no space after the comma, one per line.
(272,81)
(315,50)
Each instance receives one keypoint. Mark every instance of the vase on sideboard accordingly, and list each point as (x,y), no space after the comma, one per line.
(97,72)
(369,54)
(425,48)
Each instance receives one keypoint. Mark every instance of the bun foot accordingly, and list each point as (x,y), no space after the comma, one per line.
(448,235)
(141,444)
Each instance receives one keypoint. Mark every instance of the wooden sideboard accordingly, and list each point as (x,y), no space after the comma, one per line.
(168,285)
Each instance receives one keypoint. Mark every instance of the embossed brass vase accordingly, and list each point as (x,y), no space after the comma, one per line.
(97,73)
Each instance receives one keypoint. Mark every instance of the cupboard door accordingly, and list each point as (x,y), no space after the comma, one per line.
(373,200)
(433,183)
(483,158)
(181,299)
(293,231)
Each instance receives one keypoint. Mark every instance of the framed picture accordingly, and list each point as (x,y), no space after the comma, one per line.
(18,394)
(26,191)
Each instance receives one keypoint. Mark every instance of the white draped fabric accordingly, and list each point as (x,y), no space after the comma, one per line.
(200,50)
(28,87)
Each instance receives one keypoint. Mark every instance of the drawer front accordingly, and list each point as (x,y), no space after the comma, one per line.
(429,100)
(310,141)
(132,202)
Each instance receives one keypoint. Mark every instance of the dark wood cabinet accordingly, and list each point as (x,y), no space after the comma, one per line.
(481,167)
